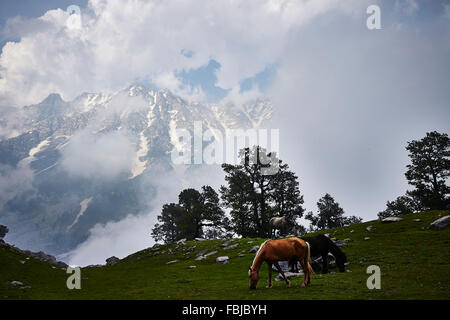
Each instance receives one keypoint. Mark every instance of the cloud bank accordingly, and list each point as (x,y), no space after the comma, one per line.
(123,41)
(105,157)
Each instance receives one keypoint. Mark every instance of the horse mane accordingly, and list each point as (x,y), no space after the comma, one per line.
(257,252)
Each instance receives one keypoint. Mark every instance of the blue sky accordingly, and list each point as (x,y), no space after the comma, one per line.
(30,9)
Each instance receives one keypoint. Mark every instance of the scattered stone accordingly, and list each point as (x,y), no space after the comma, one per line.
(254,249)
(241,255)
(22,262)
(112,261)
(348,270)
(190,249)
(351,231)
(284,265)
(173,261)
(249,242)
(25,287)
(192,267)
(225,262)
(327,235)
(417,220)
(288,274)
(333,239)
(210,253)
(16,283)
(202,253)
(222,259)
(347,239)
(181,242)
(366,238)
(391,219)
(340,243)
(226,243)
(440,223)
(199,239)
(369,228)
(233,246)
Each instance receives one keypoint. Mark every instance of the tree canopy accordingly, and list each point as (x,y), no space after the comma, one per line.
(428,173)
(329,215)
(188,219)
(259,188)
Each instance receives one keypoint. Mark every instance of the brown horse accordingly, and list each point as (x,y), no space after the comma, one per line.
(272,251)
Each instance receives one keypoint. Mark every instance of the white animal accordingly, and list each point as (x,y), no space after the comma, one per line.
(276,223)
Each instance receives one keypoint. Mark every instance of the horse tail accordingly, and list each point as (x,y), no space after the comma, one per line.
(308,259)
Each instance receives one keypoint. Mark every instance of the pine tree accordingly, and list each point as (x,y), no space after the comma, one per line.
(257,189)
(330,215)
(429,170)
(187,219)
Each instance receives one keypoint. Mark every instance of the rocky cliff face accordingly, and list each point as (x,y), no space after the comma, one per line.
(73,164)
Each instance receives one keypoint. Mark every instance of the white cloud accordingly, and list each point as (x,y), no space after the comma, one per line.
(349,102)
(13,181)
(133,233)
(447,11)
(123,41)
(98,156)
(407,6)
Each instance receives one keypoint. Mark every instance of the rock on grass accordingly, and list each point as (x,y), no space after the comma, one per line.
(440,223)
(254,249)
(222,259)
(391,219)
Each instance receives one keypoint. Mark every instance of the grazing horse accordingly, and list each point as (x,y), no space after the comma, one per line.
(272,251)
(320,246)
(276,223)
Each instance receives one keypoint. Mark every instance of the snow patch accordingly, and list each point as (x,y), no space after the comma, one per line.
(33,152)
(84,205)
(138,165)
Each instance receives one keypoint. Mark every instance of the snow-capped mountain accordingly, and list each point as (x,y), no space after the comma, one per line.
(48,207)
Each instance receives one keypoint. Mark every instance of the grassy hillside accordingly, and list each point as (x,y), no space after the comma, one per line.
(414,262)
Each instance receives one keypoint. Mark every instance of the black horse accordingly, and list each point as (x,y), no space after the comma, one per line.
(320,246)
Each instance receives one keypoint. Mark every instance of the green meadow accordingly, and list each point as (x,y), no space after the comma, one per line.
(414,263)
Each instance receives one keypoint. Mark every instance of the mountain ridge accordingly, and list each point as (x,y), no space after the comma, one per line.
(68,148)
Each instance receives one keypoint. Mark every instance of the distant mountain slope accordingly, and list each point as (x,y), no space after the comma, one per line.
(73,164)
